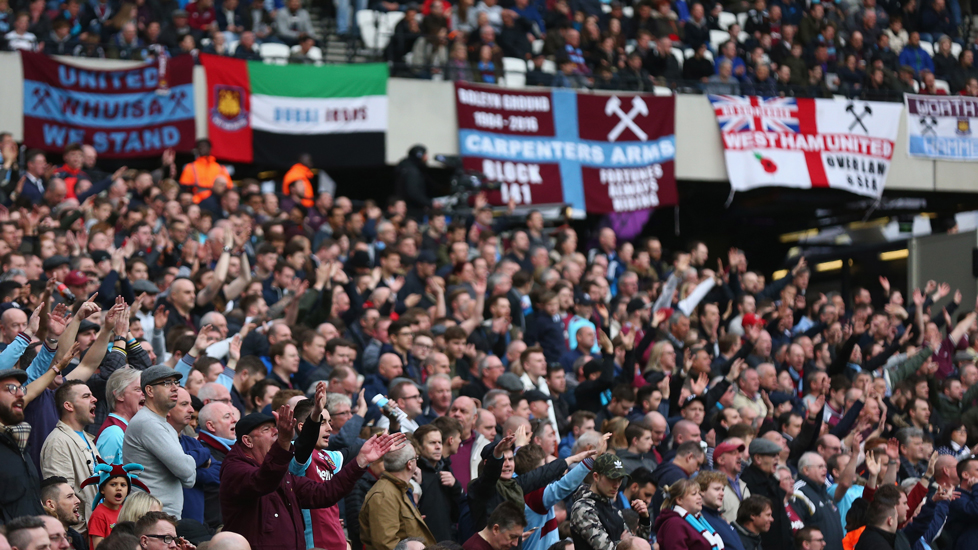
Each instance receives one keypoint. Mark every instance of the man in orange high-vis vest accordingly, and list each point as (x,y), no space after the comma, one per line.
(298,181)
(200,174)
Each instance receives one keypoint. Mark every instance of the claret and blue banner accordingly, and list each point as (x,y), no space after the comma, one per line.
(123,113)
(597,153)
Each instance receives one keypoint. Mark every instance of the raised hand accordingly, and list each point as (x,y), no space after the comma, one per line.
(203,340)
(88,308)
(816,408)
(285,422)
(160,316)
(34,322)
(361,404)
(122,322)
(319,401)
(58,320)
(574,459)
(505,444)
(893,449)
(522,438)
(872,466)
(379,445)
(885,283)
(234,349)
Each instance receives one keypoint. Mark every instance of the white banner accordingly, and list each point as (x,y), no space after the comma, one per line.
(303,115)
(807,143)
(940,127)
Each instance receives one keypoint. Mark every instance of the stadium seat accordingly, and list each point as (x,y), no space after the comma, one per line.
(742,19)
(955,49)
(679,56)
(942,85)
(514,80)
(628,11)
(315,53)
(726,19)
(927,47)
(662,91)
(717,38)
(513,66)
(277,54)
(537,46)
(368,23)
(549,67)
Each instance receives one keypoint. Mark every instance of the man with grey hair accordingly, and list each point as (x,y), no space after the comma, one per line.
(489,370)
(389,514)
(499,403)
(411,543)
(213,392)
(124,398)
(439,390)
(817,509)
(912,458)
(589,441)
(722,83)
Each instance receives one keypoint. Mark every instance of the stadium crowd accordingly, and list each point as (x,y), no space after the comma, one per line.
(860,48)
(187,361)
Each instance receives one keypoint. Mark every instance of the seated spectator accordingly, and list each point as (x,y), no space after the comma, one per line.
(633,77)
(935,21)
(536,76)
(761,83)
(458,68)
(126,44)
(20,38)
(663,65)
(246,48)
(915,57)
(928,86)
(698,67)
(486,69)
(723,83)
(944,62)
(696,31)
(178,27)
(897,34)
(60,41)
(230,20)
(963,72)
(493,11)
(514,38)
(292,21)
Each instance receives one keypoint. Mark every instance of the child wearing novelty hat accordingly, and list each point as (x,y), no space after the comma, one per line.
(114,484)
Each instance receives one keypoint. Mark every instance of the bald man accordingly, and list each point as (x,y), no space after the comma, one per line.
(227,540)
(465,463)
(659,426)
(12,322)
(180,302)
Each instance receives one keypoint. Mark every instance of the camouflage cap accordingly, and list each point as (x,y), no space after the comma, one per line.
(609,465)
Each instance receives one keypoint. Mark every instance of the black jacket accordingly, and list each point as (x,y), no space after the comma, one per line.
(439,504)
(410,184)
(588,393)
(483,497)
(766,485)
(20,495)
(874,538)
(817,509)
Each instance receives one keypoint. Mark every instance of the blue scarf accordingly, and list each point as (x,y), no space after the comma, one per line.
(223,440)
(702,527)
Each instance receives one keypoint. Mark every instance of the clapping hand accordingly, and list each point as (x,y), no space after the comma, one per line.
(379,445)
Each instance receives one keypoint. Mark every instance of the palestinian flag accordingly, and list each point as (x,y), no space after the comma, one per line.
(270,114)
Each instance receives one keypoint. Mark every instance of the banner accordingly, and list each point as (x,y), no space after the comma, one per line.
(597,153)
(939,127)
(270,114)
(807,143)
(122,113)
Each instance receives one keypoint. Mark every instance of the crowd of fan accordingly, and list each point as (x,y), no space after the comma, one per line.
(295,371)
(859,49)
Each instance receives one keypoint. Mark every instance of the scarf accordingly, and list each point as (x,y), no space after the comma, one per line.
(19,433)
(702,527)
(510,490)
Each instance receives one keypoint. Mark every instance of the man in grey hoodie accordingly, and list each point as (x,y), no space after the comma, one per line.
(639,437)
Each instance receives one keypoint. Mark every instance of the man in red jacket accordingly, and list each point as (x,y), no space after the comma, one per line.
(261,500)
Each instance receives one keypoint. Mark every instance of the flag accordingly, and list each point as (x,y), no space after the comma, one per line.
(940,127)
(269,114)
(807,143)
(598,154)
(123,113)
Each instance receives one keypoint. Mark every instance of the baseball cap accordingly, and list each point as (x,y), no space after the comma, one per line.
(609,465)
(761,446)
(54,262)
(750,320)
(247,424)
(724,448)
(153,375)
(583,299)
(692,399)
(533,396)
(592,366)
(87,325)
(360,259)
(76,278)
(635,304)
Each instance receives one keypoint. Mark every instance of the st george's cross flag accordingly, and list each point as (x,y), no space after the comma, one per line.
(807,143)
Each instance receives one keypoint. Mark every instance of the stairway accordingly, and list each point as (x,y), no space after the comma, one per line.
(336,49)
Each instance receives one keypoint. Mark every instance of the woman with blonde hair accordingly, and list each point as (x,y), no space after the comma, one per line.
(679,525)
(662,358)
(137,505)
(616,427)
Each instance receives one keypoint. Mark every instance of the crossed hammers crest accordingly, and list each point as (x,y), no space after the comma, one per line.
(613,107)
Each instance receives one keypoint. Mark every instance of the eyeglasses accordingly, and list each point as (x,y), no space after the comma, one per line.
(422,346)
(417,396)
(226,400)
(58,538)
(169,383)
(344,413)
(14,388)
(167,539)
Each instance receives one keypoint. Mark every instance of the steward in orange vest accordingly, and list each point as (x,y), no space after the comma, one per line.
(298,181)
(201,173)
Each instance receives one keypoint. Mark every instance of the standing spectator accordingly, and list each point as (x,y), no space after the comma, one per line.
(179,418)
(680,525)
(261,500)
(389,513)
(760,479)
(755,518)
(69,451)
(595,522)
(18,475)
(441,493)
(124,398)
(20,38)
(503,531)
(216,421)
(27,533)
(59,500)
(151,441)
